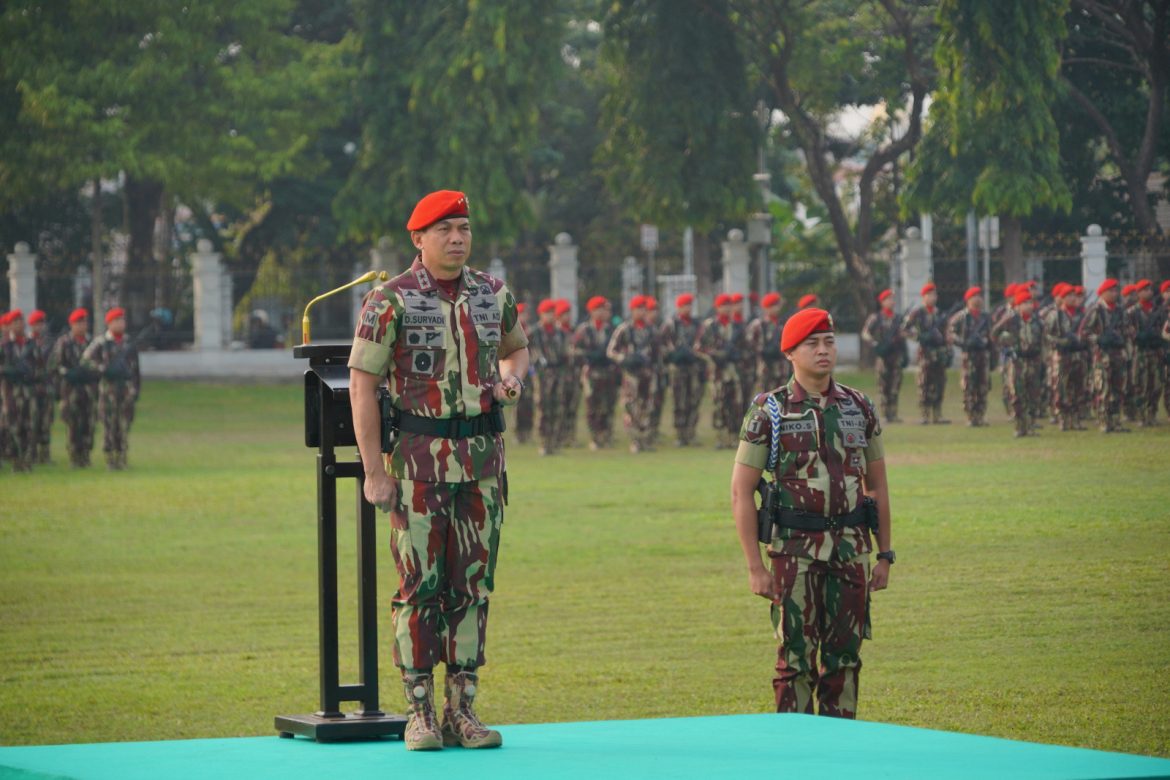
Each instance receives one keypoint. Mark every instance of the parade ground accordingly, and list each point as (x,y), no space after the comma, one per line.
(177,600)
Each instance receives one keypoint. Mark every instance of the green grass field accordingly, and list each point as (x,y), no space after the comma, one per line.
(178,599)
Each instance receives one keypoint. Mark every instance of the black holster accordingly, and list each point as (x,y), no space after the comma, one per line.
(389,417)
(766,513)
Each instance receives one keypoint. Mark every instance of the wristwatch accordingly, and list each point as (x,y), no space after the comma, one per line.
(888,555)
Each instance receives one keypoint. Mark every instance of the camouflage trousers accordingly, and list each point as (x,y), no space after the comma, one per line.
(686,388)
(1147,383)
(638,388)
(550,401)
(117,411)
(20,409)
(932,383)
(43,427)
(889,384)
(728,411)
(823,608)
(747,384)
(1166,380)
(445,537)
(1109,372)
(601,390)
(976,383)
(571,388)
(661,383)
(78,414)
(1024,380)
(1066,382)
(771,374)
(525,413)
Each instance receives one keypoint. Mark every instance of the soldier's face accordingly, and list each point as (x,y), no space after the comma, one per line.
(1110,296)
(1025,308)
(1146,294)
(772,310)
(77,329)
(16,328)
(975,303)
(638,315)
(931,298)
(37,329)
(445,245)
(816,356)
(117,326)
(888,303)
(547,317)
(684,310)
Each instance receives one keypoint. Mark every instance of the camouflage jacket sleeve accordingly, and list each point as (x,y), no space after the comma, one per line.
(755,435)
(868,329)
(512,336)
(377,329)
(911,322)
(1004,333)
(957,328)
(619,343)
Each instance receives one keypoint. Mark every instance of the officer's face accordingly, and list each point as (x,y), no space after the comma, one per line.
(117,326)
(639,314)
(684,310)
(1110,296)
(931,298)
(77,328)
(816,356)
(975,303)
(1146,294)
(445,245)
(773,310)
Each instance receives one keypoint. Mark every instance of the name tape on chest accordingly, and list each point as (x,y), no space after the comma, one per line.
(423,319)
(789,427)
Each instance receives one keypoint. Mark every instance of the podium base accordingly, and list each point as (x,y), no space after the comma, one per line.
(342,728)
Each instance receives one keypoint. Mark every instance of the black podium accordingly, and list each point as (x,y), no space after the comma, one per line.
(328,425)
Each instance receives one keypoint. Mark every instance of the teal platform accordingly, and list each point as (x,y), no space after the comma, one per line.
(732,746)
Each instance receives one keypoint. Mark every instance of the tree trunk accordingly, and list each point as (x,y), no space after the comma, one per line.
(702,258)
(142,199)
(1012,232)
(164,281)
(95,238)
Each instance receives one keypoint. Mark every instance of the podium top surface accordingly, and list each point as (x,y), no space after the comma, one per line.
(324,353)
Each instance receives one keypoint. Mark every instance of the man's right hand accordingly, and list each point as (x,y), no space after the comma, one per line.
(381,490)
(762,584)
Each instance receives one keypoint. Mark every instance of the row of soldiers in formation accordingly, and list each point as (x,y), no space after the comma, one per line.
(1058,358)
(633,362)
(88,377)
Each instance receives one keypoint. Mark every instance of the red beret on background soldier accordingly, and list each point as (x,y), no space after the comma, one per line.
(820,443)
(1144,321)
(806,301)
(882,330)
(1104,329)
(114,357)
(446,344)
(688,371)
(718,341)
(969,329)
(927,324)
(600,377)
(763,341)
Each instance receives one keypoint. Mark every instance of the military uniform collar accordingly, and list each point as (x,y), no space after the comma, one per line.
(797,393)
(427,283)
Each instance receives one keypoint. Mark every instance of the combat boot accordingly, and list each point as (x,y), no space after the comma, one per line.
(422,723)
(461,726)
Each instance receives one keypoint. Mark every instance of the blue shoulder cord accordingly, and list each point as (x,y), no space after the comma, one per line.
(773,410)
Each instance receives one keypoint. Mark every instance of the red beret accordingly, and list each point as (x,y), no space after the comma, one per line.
(4,319)
(638,302)
(722,299)
(521,307)
(885,294)
(684,299)
(1031,283)
(1009,292)
(1127,290)
(1022,296)
(737,297)
(1079,289)
(560,306)
(972,292)
(596,302)
(114,314)
(1165,286)
(1108,284)
(1061,289)
(546,306)
(36,316)
(651,302)
(771,299)
(806,301)
(1141,285)
(436,206)
(926,288)
(803,324)
(13,316)
(78,314)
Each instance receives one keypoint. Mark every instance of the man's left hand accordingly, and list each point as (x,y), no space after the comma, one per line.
(879,577)
(507,391)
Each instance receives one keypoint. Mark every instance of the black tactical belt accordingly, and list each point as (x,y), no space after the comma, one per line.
(453,427)
(807,521)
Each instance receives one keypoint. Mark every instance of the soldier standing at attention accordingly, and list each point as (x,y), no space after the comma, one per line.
(688,372)
(1022,337)
(822,443)
(661,371)
(526,406)
(883,331)
(600,377)
(970,331)
(927,324)
(114,358)
(746,364)
(634,347)
(1104,329)
(1009,294)
(1065,368)
(19,362)
(1145,323)
(572,370)
(548,355)
(444,484)
(77,391)
(763,342)
(1128,406)
(44,389)
(716,340)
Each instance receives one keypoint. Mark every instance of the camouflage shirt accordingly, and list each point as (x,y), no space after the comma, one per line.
(1146,325)
(116,361)
(20,363)
(826,445)
(1025,337)
(1060,329)
(883,332)
(440,359)
(719,341)
(927,324)
(1104,320)
(590,342)
(762,337)
(678,337)
(634,346)
(65,364)
(549,346)
(970,331)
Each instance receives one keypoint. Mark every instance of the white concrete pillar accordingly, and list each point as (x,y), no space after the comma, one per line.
(497,269)
(736,263)
(82,287)
(207,274)
(631,282)
(227,311)
(22,279)
(562,266)
(1093,259)
(917,268)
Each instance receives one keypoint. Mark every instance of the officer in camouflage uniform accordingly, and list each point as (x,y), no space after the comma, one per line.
(717,342)
(688,371)
(1105,329)
(446,343)
(883,331)
(822,443)
(763,342)
(20,370)
(634,347)
(970,330)
(1022,337)
(548,356)
(1066,366)
(44,389)
(572,377)
(114,358)
(526,406)
(1145,323)
(600,377)
(661,371)
(76,387)
(927,324)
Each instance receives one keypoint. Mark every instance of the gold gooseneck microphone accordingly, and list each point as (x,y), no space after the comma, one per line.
(369,276)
